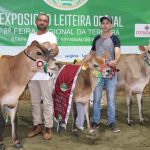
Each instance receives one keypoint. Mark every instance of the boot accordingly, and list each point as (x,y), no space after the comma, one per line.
(36,130)
(47,134)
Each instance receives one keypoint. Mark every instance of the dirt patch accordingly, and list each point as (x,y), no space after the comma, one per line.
(129,138)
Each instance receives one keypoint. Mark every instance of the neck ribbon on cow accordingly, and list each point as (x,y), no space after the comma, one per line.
(98,75)
(45,67)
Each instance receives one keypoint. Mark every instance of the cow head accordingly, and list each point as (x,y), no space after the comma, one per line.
(38,51)
(146,51)
(97,63)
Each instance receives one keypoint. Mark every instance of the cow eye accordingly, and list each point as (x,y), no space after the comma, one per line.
(95,65)
(39,53)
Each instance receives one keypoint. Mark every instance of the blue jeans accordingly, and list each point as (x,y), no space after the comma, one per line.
(110,85)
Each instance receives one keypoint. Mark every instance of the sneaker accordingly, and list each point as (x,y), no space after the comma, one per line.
(95,125)
(114,128)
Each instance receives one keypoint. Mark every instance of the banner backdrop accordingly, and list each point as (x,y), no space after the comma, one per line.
(75,22)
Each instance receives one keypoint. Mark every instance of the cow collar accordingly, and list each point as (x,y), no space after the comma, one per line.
(29,56)
(146,59)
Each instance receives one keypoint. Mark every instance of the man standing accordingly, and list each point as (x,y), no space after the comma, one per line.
(41,84)
(110,43)
(102,43)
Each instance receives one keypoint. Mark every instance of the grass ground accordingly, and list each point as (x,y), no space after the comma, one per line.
(130,138)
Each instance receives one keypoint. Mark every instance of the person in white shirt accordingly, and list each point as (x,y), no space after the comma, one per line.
(41,84)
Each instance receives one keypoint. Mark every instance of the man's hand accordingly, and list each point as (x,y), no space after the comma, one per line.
(113,63)
(54,50)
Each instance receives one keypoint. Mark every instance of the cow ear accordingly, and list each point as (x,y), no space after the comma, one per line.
(105,54)
(34,43)
(142,48)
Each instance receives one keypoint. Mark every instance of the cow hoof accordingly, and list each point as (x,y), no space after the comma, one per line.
(91,135)
(131,123)
(2,147)
(142,122)
(18,145)
(75,132)
(91,131)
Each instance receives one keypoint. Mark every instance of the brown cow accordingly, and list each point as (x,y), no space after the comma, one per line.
(15,73)
(133,76)
(86,82)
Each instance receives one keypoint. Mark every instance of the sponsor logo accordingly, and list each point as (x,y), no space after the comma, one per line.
(142,30)
(63,87)
(66,4)
(146,27)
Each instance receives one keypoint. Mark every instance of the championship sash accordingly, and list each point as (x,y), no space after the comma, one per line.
(63,92)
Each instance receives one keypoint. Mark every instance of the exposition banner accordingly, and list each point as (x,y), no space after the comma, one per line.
(75,22)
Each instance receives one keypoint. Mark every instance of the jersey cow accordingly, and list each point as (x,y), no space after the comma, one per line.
(15,73)
(133,76)
(85,84)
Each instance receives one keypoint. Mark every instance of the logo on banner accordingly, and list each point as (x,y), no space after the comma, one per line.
(142,30)
(63,87)
(66,4)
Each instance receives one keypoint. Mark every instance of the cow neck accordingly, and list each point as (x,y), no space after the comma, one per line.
(23,68)
(94,79)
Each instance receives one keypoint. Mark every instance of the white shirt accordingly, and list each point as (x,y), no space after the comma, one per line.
(46,37)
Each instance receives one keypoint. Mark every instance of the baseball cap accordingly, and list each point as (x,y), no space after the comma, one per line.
(106,17)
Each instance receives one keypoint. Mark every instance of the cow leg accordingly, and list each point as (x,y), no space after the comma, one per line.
(139,101)
(86,107)
(13,116)
(2,122)
(129,106)
(74,114)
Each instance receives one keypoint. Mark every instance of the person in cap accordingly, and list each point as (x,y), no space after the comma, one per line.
(102,43)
